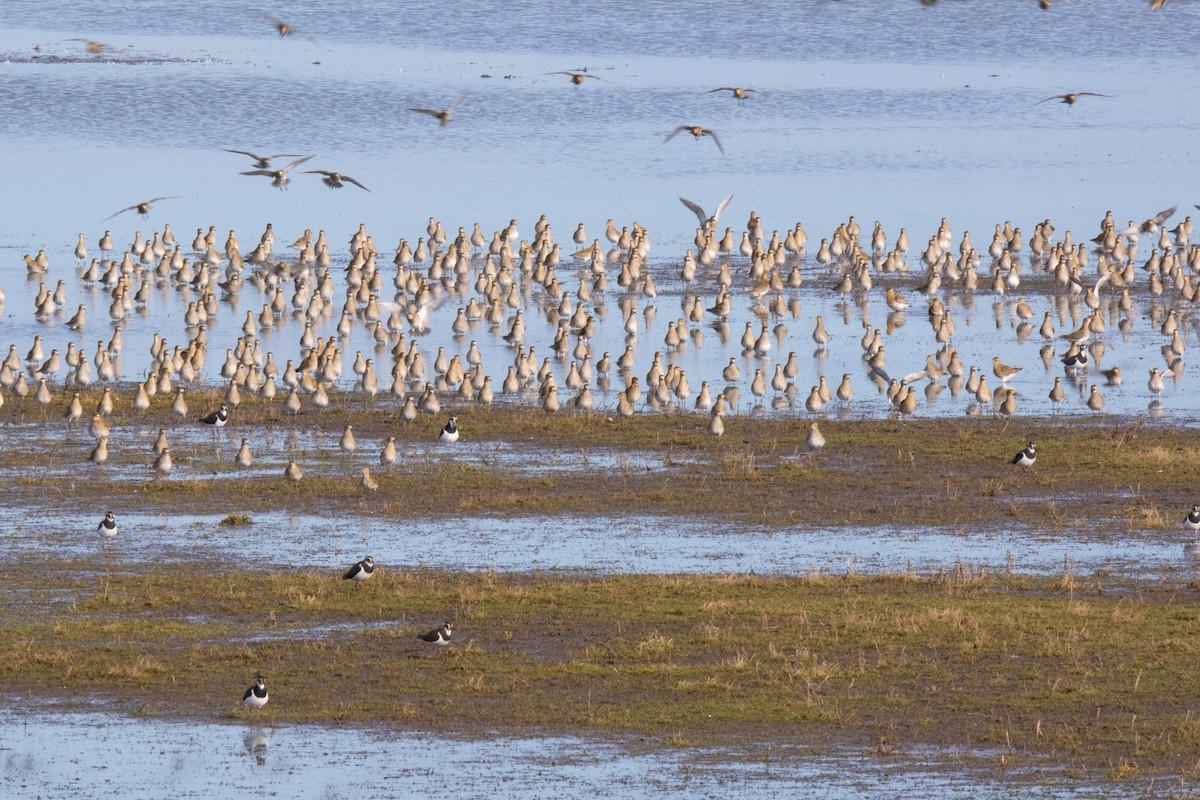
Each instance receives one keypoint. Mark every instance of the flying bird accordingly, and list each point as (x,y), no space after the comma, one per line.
(737,92)
(334,179)
(279,177)
(445,115)
(697,131)
(576,77)
(92,46)
(142,208)
(261,162)
(1151,225)
(1070,98)
(705,220)
(286,29)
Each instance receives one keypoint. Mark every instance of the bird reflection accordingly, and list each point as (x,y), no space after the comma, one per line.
(256,741)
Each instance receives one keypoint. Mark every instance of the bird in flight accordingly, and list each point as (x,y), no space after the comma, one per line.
(696,131)
(334,179)
(737,92)
(142,208)
(286,29)
(261,162)
(576,77)
(279,177)
(92,46)
(706,222)
(1070,98)
(443,116)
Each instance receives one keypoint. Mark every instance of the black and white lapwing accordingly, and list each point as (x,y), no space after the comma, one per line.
(440,636)
(1192,520)
(1026,457)
(107,526)
(360,571)
(217,418)
(450,432)
(256,695)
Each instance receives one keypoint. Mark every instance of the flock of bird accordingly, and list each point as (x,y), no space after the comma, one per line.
(494,282)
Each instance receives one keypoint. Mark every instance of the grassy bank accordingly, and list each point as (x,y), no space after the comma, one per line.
(1091,676)
(912,472)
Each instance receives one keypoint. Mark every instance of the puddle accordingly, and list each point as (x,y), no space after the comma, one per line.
(601,545)
(100,755)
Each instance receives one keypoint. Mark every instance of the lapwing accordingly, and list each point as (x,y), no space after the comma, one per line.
(108,525)
(217,418)
(1026,457)
(450,431)
(1191,521)
(256,695)
(440,636)
(361,571)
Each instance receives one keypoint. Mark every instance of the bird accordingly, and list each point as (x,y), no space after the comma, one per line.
(1070,98)
(361,570)
(163,463)
(816,440)
(261,162)
(707,222)
(736,92)
(443,116)
(1003,371)
(368,483)
(1192,520)
(285,29)
(91,46)
(1151,225)
(1026,457)
(244,457)
(696,131)
(107,526)
(293,472)
(217,418)
(450,431)
(439,636)
(256,695)
(142,208)
(279,177)
(576,77)
(334,179)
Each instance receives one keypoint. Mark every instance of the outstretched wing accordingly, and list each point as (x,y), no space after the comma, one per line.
(695,209)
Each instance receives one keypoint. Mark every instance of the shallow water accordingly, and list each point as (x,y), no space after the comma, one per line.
(114,756)
(887,111)
(601,545)
(940,119)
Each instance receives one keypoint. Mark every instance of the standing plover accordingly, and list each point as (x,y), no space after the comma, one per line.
(360,571)
(1192,520)
(440,636)
(256,695)
(108,525)
(1026,457)
(217,418)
